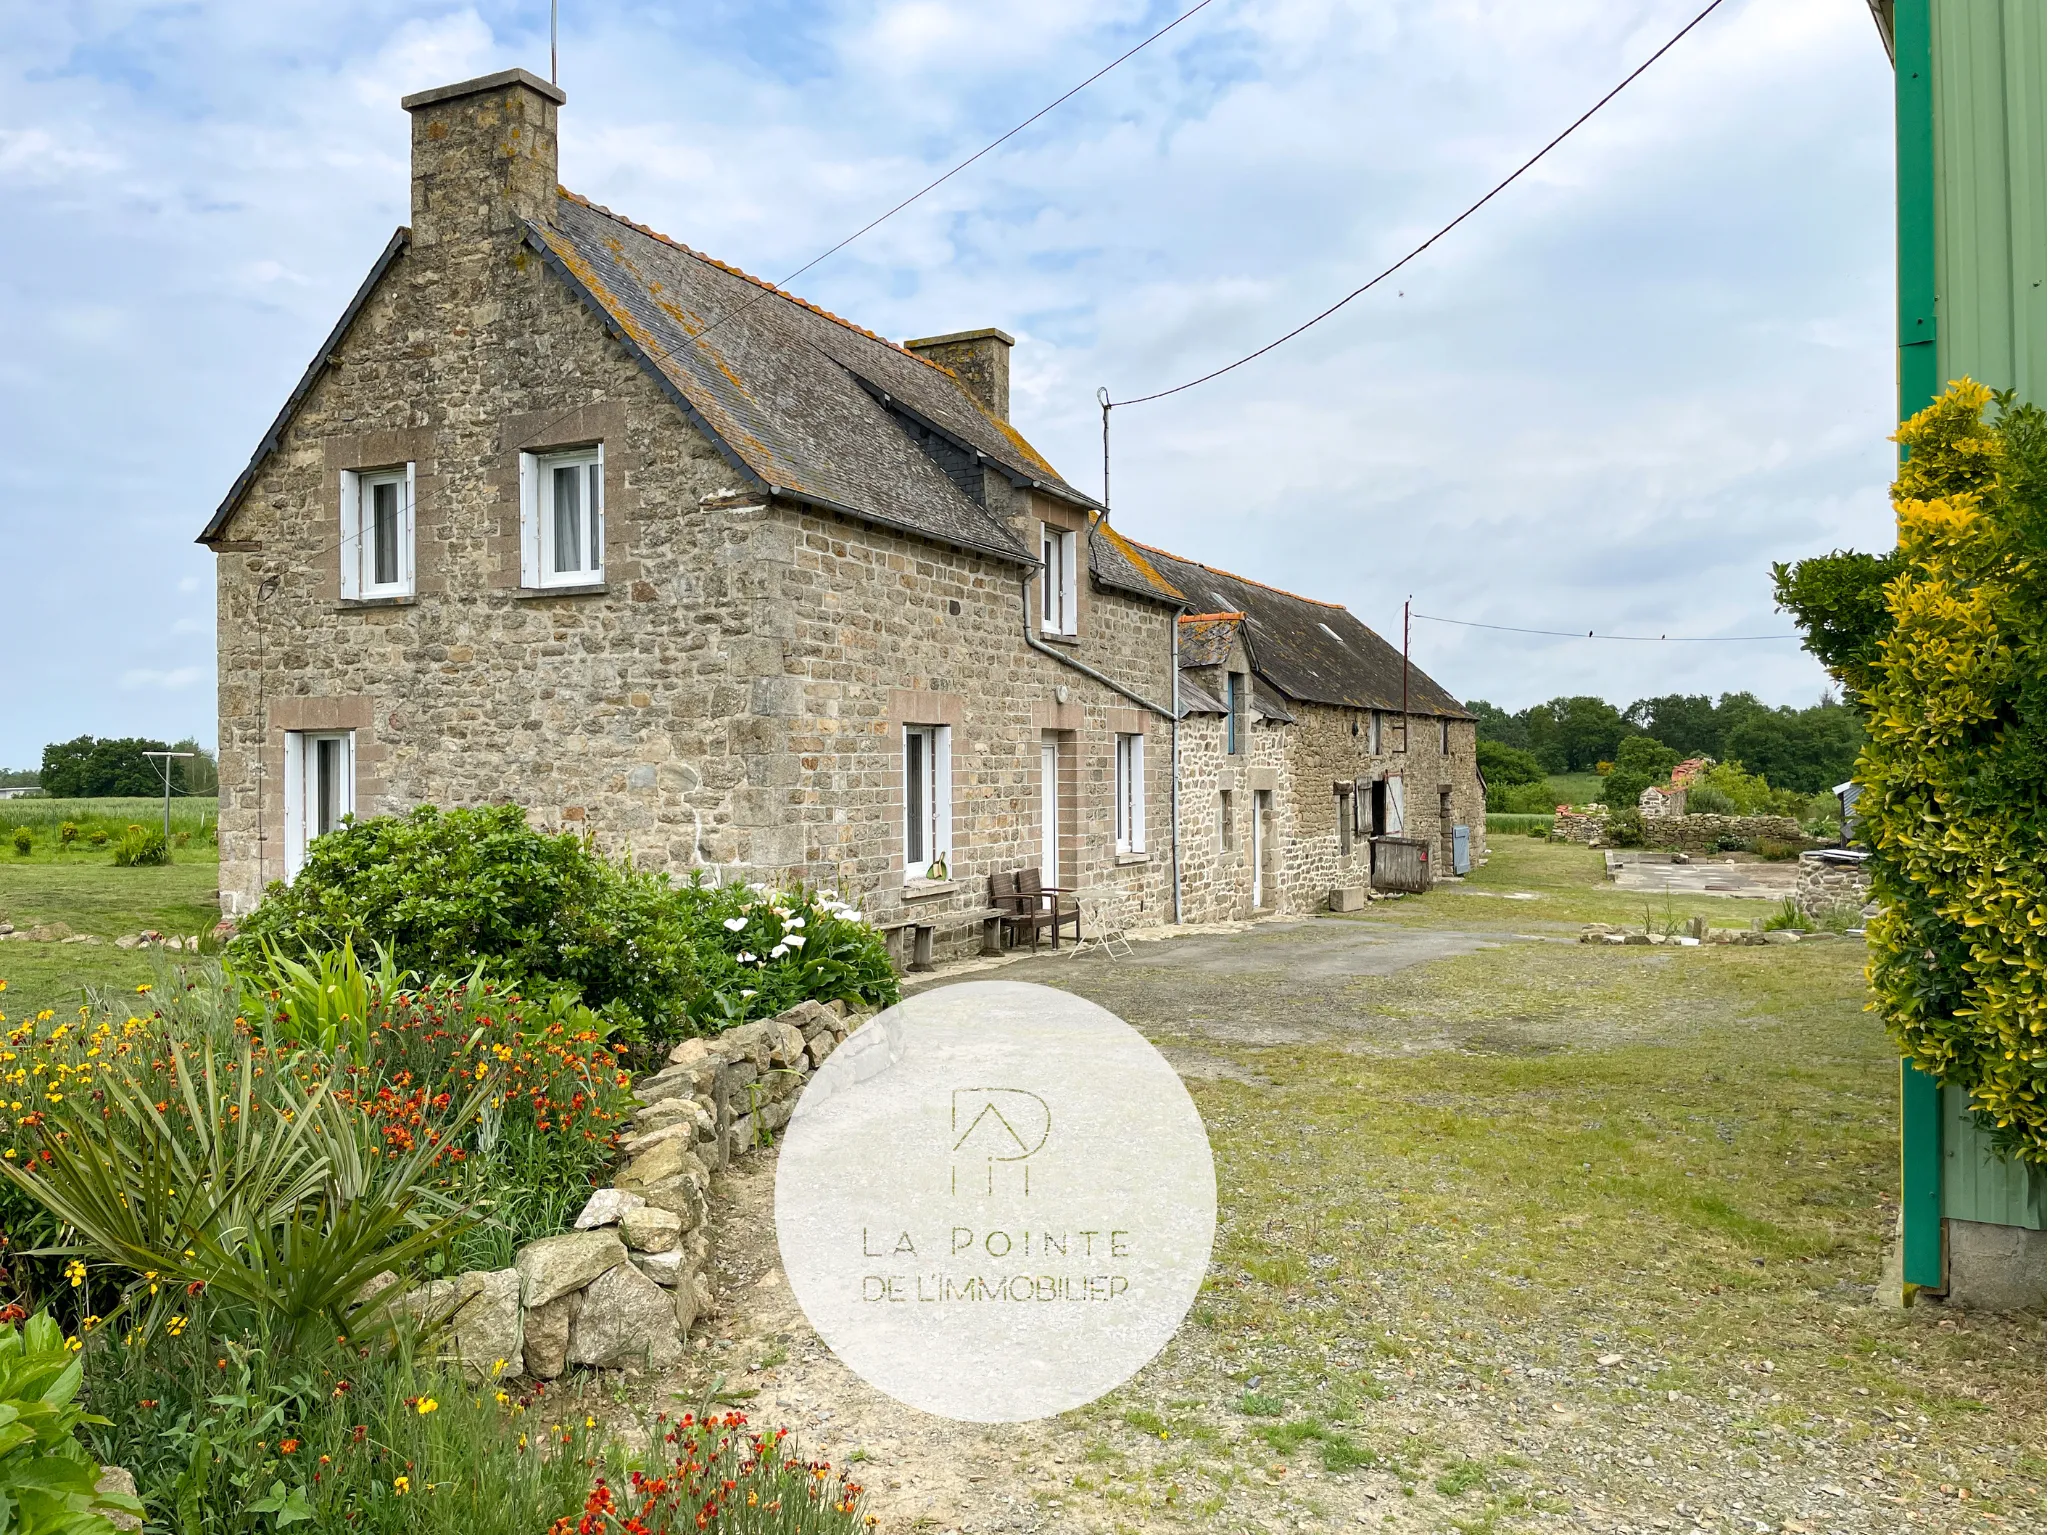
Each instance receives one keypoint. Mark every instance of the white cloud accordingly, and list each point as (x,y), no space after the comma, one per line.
(1652,367)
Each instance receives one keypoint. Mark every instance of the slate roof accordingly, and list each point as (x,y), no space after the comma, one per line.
(801,402)
(1309,651)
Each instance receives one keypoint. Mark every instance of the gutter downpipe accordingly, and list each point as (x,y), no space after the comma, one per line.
(1173,736)
(1033,642)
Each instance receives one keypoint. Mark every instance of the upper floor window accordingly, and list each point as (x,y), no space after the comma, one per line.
(561,499)
(1372,732)
(1057,608)
(1233,712)
(376,532)
(927,801)
(1130,793)
(1443,737)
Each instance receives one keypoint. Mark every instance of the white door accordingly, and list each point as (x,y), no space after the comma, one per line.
(1261,799)
(1049,808)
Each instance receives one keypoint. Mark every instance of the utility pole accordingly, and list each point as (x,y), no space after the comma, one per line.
(164,770)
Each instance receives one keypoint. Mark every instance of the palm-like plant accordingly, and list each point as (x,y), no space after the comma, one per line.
(266,1195)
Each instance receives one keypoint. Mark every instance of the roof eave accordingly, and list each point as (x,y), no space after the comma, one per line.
(216,525)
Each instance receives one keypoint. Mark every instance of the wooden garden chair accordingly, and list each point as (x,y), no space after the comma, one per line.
(1049,901)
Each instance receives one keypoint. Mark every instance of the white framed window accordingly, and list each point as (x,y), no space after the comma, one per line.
(1130,794)
(376,532)
(927,799)
(1058,611)
(319,788)
(561,518)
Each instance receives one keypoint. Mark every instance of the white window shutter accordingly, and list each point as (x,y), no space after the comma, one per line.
(942,793)
(1397,808)
(405,532)
(350,548)
(597,538)
(1070,594)
(529,520)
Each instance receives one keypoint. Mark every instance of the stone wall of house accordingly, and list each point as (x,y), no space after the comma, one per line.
(731,700)
(1328,745)
(1828,885)
(1218,799)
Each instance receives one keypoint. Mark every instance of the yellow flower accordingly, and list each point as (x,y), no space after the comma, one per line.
(401,1485)
(427,1405)
(176,1326)
(75,1272)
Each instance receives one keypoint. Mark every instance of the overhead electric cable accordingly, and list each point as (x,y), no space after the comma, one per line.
(932,186)
(1653,639)
(1499,187)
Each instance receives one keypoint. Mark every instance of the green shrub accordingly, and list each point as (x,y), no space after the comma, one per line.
(1624,826)
(1504,765)
(141,847)
(67,833)
(1787,918)
(443,890)
(1639,762)
(24,841)
(1521,798)
(99,837)
(1542,831)
(1773,850)
(47,1479)
(1952,807)
(761,951)
(1705,799)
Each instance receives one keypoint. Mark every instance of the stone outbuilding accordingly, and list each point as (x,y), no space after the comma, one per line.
(567,514)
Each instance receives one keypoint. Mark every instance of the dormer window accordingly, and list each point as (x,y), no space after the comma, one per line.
(561,499)
(1057,607)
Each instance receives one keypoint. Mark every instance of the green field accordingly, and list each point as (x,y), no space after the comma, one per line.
(1575,788)
(191,815)
(1512,823)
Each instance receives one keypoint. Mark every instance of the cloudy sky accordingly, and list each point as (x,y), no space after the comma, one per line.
(1659,362)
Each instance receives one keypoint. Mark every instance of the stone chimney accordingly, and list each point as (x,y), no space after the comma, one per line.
(483,156)
(980,358)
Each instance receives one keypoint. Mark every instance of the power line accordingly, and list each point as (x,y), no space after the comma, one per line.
(1498,188)
(1653,639)
(932,186)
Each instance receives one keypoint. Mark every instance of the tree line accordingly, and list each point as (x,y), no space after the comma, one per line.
(1807,750)
(93,767)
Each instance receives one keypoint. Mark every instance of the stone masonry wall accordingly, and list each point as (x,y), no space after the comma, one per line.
(730,700)
(1826,886)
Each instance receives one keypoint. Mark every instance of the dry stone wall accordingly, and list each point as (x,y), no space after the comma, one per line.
(1682,833)
(622,1290)
(1831,884)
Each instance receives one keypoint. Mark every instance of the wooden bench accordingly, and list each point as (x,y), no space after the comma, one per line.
(923,929)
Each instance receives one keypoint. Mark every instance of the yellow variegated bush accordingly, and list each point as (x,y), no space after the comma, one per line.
(1952,775)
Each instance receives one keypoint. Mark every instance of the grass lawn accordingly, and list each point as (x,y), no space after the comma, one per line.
(1603,1256)
(88,895)
(1569,886)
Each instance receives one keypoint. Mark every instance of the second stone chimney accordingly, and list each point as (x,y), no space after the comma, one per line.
(981,361)
(483,156)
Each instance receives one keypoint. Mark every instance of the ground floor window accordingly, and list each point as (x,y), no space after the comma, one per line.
(927,801)
(319,788)
(1130,794)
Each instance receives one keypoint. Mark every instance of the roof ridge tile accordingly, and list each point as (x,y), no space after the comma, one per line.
(1233,575)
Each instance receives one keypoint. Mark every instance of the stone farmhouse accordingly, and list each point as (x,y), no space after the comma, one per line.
(569,515)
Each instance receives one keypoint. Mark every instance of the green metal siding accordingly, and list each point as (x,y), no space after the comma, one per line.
(1919,373)
(1920,1177)
(1977,1184)
(1990,192)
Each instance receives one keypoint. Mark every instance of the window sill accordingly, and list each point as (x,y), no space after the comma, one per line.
(1051,638)
(547,593)
(403,601)
(926,889)
(1129,858)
